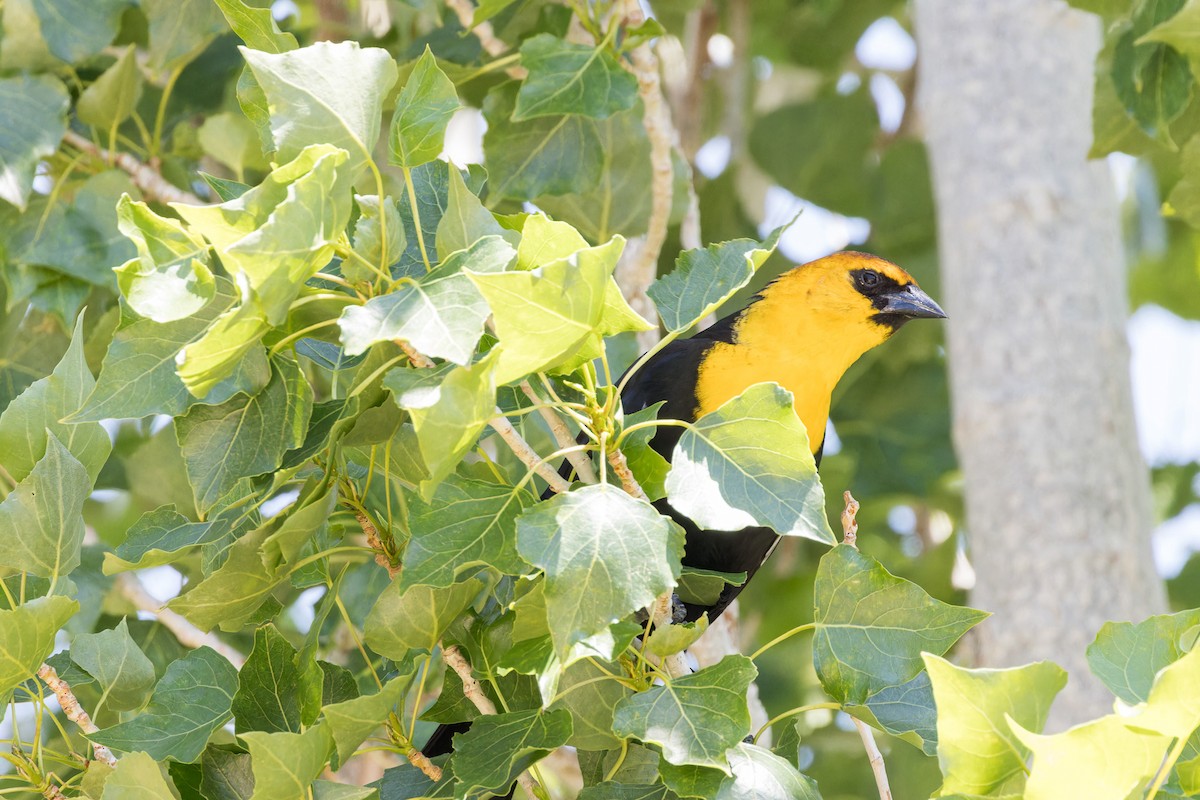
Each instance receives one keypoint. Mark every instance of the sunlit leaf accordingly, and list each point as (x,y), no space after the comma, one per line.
(704,279)
(170,279)
(414,620)
(125,675)
(138,776)
(1126,656)
(759,774)
(1173,708)
(27,636)
(286,764)
(256,26)
(423,111)
(41,519)
(466,221)
(369,238)
(352,721)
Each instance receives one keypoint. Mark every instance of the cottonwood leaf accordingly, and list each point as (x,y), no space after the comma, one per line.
(114,95)
(170,279)
(1101,760)
(466,221)
(977,751)
(27,636)
(1126,656)
(157,538)
(542,319)
(352,721)
(449,406)
(423,110)
(872,627)
(545,241)
(270,685)
(569,78)
(467,524)
(256,27)
(76,30)
(749,463)
(192,700)
(33,417)
(499,747)
(231,595)
(759,774)
(369,236)
(694,718)
(225,775)
(35,110)
(138,378)
(703,279)
(1173,708)
(233,338)
(180,30)
(410,783)
(441,313)
(673,639)
(325,92)
(286,764)
(331,790)
(41,519)
(584,691)
(245,436)
(543,156)
(401,623)
(138,776)
(605,555)
(125,675)
(906,711)
(611,790)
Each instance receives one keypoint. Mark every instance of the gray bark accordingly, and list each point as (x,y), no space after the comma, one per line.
(1057,494)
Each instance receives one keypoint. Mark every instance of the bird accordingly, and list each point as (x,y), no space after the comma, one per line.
(803,330)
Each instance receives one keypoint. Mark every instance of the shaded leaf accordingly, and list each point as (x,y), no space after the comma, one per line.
(499,747)
(569,78)
(114,95)
(268,696)
(35,112)
(352,721)
(125,675)
(138,776)
(27,636)
(401,623)
(180,30)
(41,519)
(369,237)
(1126,656)
(906,711)
(466,221)
(590,698)
(157,538)
(225,775)
(286,764)
(76,30)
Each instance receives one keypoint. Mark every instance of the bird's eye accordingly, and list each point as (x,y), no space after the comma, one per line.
(868,278)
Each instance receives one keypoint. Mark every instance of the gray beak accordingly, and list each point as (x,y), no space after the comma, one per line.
(912,303)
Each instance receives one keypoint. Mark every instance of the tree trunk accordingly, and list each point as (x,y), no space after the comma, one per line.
(1057,494)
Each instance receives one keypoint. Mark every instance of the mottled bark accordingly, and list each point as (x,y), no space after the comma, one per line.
(1058,503)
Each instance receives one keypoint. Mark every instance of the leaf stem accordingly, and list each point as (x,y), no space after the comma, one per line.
(291,337)
(1167,766)
(384,263)
(794,712)
(808,626)
(161,115)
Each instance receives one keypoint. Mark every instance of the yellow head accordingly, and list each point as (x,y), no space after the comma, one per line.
(807,327)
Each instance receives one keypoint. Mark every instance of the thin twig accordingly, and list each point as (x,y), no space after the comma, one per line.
(74,710)
(152,184)
(188,634)
(562,435)
(375,543)
(875,757)
(527,454)
(418,359)
(849,520)
(492,45)
(474,692)
(421,762)
(621,469)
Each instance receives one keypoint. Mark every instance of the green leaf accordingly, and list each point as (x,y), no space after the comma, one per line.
(230,595)
(872,626)
(41,520)
(408,782)
(286,764)
(233,338)
(330,790)
(499,747)
(605,555)
(125,675)
(545,241)
(423,111)
(268,696)
(542,320)
(282,231)
(977,752)
(673,639)
(1152,80)
(32,418)
(587,690)
(1181,31)
(441,313)
(76,30)
(352,721)
(1126,656)
(449,406)
(305,520)
(170,279)
(703,586)
(543,156)
(35,109)
(114,95)
(368,241)
(190,702)
(1099,760)
(231,139)
(1173,708)
(27,636)
(180,30)
(256,27)
(138,776)
(157,538)
(1185,197)
(225,775)
(611,790)
(704,279)
(648,466)
(467,524)
(906,711)
(325,92)
(749,463)
(402,623)
(138,376)
(245,436)
(466,221)
(568,78)
(759,774)
(695,718)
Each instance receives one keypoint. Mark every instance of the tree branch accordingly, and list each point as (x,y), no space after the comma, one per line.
(152,184)
(562,435)
(527,454)
(187,633)
(421,762)
(74,710)
(850,537)
(474,692)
